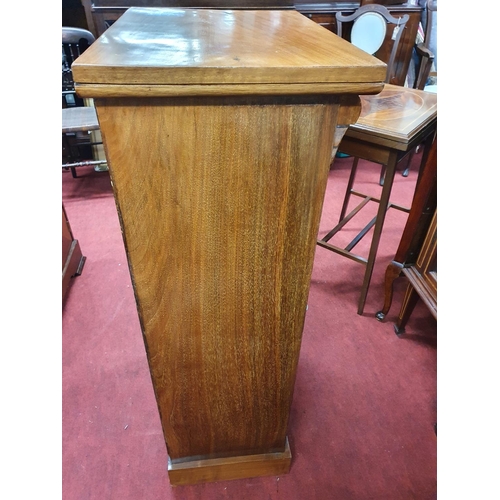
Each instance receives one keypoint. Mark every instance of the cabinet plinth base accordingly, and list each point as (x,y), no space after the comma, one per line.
(224,469)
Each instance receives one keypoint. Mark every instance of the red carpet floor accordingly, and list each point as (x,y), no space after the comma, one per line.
(365,401)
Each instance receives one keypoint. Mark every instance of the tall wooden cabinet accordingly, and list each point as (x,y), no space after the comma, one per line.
(219,127)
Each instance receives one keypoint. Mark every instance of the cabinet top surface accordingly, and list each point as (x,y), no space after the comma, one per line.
(158,46)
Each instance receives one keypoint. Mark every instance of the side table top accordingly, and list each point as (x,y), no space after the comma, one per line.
(397,113)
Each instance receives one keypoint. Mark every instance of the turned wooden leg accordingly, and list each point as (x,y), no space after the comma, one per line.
(410,300)
(392,272)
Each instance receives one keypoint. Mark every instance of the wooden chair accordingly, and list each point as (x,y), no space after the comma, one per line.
(78,120)
(372,28)
(425,59)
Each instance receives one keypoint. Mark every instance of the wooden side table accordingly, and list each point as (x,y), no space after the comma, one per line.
(219,127)
(390,126)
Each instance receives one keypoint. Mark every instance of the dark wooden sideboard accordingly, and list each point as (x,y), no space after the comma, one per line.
(100,14)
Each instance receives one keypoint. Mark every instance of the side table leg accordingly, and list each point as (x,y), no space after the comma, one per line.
(348,190)
(379,224)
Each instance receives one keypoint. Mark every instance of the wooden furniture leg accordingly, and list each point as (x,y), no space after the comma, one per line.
(409,302)
(350,183)
(392,272)
(405,172)
(379,224)
(382,175)
(423,205)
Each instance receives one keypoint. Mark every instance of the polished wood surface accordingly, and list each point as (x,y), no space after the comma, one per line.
(101,14)
(99,90)
(223,469)
(188,46)
(394,116)
(213,193)
(211,234)
(390,125)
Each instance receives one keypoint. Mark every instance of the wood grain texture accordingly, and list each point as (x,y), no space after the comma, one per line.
(101,90)
(218,128)
(219,201)
(155,46)
(101,13)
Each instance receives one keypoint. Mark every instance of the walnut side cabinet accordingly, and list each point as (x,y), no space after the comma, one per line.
(219,128)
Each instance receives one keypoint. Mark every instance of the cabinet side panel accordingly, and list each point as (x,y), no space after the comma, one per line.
(219,202)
